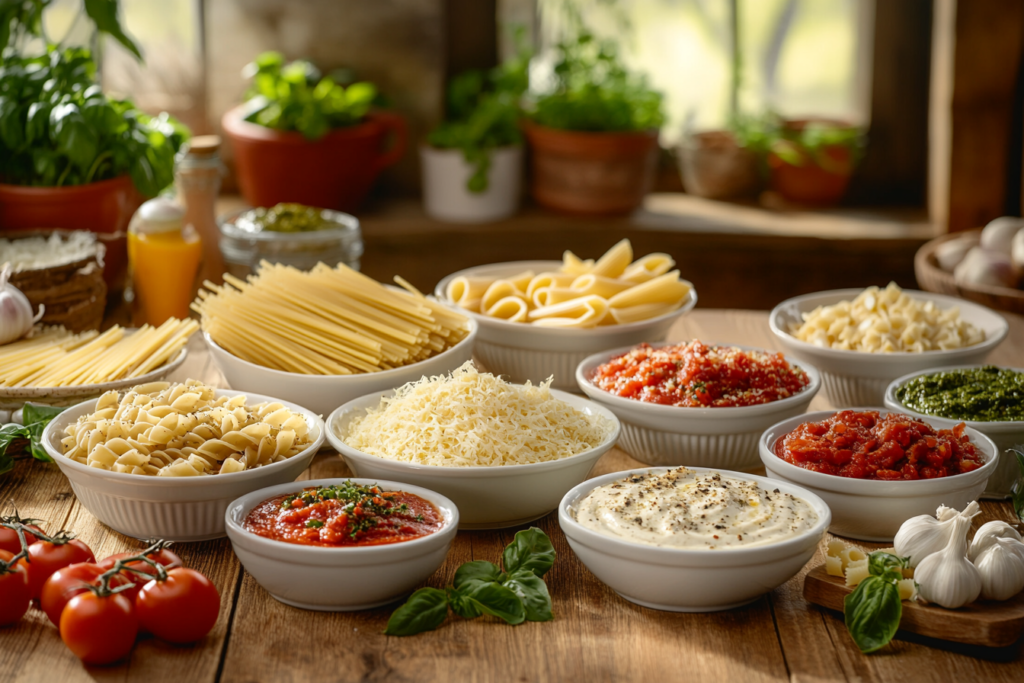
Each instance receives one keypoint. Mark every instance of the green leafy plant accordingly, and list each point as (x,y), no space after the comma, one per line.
(483,111)
(873,610)
(295,96)
(595,92)
(15,438)
(58,128)
(833,147)
(1018,487)
(514,593)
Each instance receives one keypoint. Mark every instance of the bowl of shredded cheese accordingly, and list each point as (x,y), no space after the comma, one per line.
(504,453)
(861,340)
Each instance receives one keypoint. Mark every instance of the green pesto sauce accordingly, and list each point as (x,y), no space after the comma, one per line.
(286,218)
(987,394)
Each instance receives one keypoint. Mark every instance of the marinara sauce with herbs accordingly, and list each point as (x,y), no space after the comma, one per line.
(697,375)
(347,515)
(865,445)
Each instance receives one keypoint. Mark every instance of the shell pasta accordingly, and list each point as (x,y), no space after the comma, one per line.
(183,430)
(613,290)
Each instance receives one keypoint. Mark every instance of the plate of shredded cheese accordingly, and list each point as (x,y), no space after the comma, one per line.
(505,453)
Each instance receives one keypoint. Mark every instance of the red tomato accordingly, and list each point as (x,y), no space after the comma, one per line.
(10,542)
(14,592)
(181,609)
(99,630)
(67,582)
(164,557)
(46,558)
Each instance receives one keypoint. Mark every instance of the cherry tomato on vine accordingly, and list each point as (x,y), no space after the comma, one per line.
(99,629)
(14,592)
(67,582)
(181,609)
(9,538)
(46,558)
(165,557)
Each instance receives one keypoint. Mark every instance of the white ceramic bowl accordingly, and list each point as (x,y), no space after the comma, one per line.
(690,580)
(724,438)
(1003,434)
(171,508)
(488,497)
(324,393)
(522,352)
(859,378)
(871,510)
(338,579)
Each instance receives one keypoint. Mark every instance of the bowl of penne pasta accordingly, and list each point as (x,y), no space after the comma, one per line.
(540,319)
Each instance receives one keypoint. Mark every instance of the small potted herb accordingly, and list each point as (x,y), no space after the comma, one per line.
(473,162)
(724,164)
(71,156)
(811,160)
(594,136)
(308,138)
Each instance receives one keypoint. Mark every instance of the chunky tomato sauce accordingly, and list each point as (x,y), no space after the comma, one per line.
(866,446)
(346,515)
(696,375)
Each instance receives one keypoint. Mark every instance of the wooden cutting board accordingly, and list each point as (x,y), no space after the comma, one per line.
(988,624)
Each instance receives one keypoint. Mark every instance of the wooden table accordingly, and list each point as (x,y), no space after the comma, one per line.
(596,635)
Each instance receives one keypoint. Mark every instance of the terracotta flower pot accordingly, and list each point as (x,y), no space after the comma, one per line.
(334,172)
(104,208)
(591,173)
(817,180)
(713,165)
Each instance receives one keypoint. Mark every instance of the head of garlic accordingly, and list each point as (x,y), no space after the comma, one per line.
(923,535)
(987,535)
(1001,566)
(947,577)
(986,267)
(16,317)
(949,254)
(999,233)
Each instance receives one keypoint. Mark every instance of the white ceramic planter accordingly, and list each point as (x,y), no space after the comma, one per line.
(446,197)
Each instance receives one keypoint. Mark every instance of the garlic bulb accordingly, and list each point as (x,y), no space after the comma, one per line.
(923,535)
(998,234)
(1002,569)
(1016,251)
(947,577)
(988,533)
(949,254)
(15,310)
(984,267)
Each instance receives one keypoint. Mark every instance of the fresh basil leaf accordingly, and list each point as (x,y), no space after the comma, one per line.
(494,599)
(37,123)
(32,413)
(104,14)
(425,610)
(477,570)
(461,603)
(872,613)
(532,590)
(531,550)
(879,563)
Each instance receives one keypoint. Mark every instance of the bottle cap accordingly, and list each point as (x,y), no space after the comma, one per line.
(161,214)
(204,145)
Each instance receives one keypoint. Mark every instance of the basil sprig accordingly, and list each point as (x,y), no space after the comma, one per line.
(29,435)
(873,610)
(513,593)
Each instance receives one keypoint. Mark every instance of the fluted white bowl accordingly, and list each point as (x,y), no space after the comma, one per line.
(324,393)
(488,497)
(339,579)
(1004,435)
(724,438)
(690,580)
(860,378)
(872,510)
(522,352)
(171,508)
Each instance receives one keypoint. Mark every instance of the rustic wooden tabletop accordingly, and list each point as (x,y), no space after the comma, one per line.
(596,635)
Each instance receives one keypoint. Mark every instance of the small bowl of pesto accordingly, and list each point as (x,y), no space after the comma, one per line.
(985,397)
(291,234)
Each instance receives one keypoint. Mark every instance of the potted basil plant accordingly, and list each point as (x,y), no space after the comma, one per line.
(594,135)
(71,156)
(309,138)
(811,160)
(473,162)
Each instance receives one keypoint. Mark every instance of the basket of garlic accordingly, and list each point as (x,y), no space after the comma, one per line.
(985,266)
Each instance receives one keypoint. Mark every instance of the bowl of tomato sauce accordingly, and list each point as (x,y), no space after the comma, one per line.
(697,404)
(336,545)
(877,468)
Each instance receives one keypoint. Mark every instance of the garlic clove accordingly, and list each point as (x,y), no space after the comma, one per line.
(1001,569)
(986,535)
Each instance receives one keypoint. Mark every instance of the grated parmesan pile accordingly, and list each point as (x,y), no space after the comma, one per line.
(474,419)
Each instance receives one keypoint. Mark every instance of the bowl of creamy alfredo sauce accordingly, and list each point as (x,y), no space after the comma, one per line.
(692,539)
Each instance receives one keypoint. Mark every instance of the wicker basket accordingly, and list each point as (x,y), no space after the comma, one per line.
(931,278)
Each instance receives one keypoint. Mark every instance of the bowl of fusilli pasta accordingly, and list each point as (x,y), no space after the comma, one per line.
(164,460)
